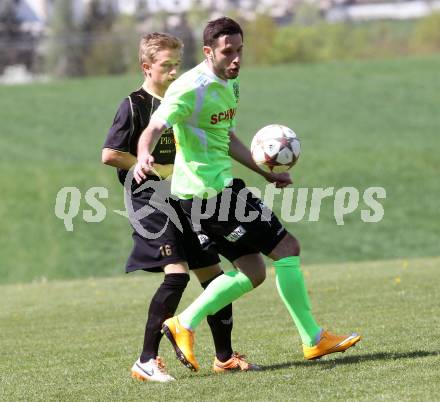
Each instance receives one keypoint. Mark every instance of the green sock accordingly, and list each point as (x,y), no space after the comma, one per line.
(292,290)
(219,293)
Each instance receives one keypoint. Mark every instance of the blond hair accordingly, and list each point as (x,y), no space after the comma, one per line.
(152,43)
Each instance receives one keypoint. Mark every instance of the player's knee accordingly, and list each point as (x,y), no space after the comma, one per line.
(287,247)
(253,267)
(176,268)
(294,246)
(208,274)
(258,278)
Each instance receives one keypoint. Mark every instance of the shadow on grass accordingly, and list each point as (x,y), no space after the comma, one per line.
(353,359)
(328,364)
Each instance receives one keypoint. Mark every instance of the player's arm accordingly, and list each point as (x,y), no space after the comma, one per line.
(116,149)
(239,152)
(147,143)
(118,159)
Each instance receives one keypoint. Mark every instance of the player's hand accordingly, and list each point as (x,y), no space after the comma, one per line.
(281,180)
(143,167)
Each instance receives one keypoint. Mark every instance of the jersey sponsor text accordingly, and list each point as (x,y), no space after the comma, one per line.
(226,115)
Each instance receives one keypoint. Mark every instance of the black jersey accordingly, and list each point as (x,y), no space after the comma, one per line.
(131,119)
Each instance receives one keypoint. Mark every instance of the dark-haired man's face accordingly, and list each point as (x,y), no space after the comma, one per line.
(224,59)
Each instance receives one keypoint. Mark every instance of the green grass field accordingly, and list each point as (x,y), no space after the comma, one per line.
(362,124)
(76,340)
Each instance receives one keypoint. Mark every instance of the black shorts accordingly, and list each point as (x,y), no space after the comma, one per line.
(156,237)
(230,229)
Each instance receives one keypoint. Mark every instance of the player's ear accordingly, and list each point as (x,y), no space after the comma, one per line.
(145,68)
(207,50)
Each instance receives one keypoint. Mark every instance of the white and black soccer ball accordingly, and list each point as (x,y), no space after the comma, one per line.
(275,148)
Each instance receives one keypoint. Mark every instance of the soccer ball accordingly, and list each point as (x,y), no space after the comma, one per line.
(275,148)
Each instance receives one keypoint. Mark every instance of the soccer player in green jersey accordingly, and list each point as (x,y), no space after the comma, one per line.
(158,245)
(201,107)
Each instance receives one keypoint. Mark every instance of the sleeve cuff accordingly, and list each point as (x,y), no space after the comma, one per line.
(117,149)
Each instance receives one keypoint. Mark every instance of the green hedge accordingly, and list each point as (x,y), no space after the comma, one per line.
(268,44)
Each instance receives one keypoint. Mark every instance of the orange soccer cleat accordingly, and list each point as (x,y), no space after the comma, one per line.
(182,340)
(330,343)
(237,362)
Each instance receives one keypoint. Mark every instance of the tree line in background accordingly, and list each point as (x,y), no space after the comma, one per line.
(322,41)
(93,46)
(105,43)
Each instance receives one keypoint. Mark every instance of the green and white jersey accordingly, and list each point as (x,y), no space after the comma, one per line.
(201,108)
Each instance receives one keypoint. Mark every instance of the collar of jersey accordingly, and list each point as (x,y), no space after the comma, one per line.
(211,75)
(151,92)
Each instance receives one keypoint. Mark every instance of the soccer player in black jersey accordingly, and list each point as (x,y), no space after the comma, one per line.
(173,252)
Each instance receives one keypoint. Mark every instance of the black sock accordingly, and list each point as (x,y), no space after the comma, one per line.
(221,328)
(163,305)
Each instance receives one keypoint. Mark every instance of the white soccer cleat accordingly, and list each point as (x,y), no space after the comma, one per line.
(152,370)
